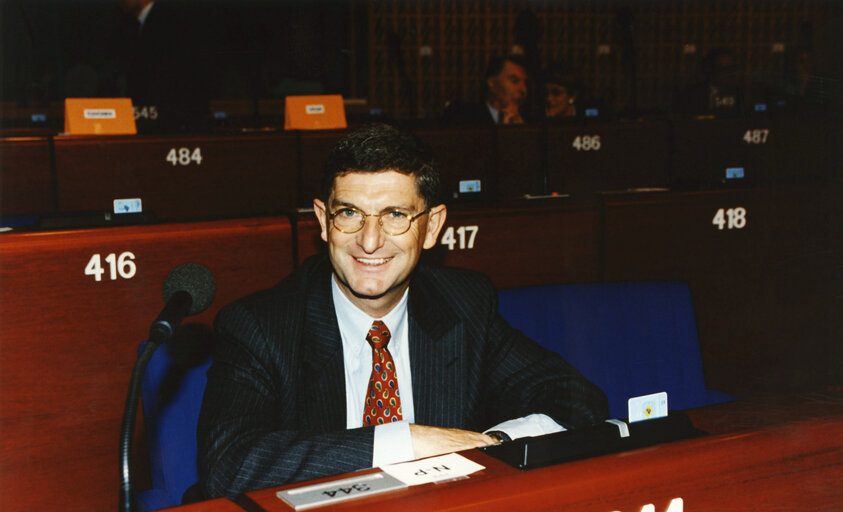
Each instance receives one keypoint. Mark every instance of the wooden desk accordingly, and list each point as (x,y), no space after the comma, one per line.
(779,464)
(26,178)
(526,244)
(179,177)
(586,157)
(763,281)
(217,505)
(69,341)
(313,147)
(464,154)
(704,149)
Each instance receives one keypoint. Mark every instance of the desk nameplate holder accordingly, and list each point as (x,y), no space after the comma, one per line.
(602,439)
(337,491)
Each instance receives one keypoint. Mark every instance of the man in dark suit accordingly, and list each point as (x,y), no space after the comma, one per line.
(506,93)
(295,388)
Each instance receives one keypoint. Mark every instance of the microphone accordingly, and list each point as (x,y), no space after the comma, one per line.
(188,290)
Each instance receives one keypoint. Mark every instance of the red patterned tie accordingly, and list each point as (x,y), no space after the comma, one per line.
(383,403)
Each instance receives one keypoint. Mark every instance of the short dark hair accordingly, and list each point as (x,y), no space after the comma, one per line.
(496,64)
(381,147)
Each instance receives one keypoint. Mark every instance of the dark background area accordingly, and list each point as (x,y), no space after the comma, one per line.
(408,59)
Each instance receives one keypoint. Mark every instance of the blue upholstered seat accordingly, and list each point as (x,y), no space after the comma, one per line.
(629,338)
(172,391)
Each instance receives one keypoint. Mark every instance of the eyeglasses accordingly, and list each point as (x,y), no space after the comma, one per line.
(393,222)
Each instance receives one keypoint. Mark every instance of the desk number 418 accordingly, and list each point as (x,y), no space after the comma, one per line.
(733,218)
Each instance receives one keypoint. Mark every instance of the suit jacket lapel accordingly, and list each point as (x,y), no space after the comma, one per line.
(322,375)
(435,353)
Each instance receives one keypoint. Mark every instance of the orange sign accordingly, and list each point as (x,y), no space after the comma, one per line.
(99,116)
(314,112)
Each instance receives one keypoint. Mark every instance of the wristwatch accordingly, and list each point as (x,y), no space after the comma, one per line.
(501,436)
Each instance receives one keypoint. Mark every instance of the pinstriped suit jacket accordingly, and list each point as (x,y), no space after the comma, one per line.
(274,407)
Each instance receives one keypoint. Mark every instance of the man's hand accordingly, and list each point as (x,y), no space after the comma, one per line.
(511,114)
(429,441)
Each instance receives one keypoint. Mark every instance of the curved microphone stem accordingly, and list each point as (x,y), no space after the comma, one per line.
(128,427)
(161,330)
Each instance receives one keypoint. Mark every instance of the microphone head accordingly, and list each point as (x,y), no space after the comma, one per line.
(194,279)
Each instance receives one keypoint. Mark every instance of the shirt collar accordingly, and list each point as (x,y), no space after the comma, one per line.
(144,13)
(495,113)
(352,320)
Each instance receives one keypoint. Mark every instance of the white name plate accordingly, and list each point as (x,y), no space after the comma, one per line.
(340,490)
(100,113)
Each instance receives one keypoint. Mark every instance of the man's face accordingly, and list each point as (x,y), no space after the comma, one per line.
(373,268)
(509,87)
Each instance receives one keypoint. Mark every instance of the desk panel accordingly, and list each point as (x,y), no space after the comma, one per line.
(522,161)
(532,243)
(793,465)
(179,177)
(763,268)
(704,149)
(585,157)
(314,147)
(69,341)
(464,154)
(26,180)
(802,147)
(527,244)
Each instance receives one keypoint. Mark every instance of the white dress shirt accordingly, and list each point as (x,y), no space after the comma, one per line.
(393,442)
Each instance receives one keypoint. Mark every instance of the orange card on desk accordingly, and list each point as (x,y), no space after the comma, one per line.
(314,112)
(99,116)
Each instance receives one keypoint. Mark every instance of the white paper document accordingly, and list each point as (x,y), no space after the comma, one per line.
(434,469)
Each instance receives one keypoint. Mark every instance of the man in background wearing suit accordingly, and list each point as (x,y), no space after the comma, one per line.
(302,385)
(506,93)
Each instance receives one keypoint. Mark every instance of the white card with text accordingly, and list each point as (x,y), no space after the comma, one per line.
(648,407)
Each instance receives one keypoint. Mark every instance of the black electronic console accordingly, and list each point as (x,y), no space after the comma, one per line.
(612,436)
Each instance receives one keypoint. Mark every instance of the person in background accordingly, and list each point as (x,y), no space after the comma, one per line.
(506,93)
(561,89)
(718,94)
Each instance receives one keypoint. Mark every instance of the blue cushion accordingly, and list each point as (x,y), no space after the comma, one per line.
(630,338)
(172,390)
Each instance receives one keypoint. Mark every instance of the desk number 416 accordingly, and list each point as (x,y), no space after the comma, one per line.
(122,265)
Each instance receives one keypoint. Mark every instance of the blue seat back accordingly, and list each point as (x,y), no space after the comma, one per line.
(629,338)
(172,391)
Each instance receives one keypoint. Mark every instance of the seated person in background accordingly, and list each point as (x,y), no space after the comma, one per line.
(801,87)
(718,94)
(363,356)
(561,90)
(506,92)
